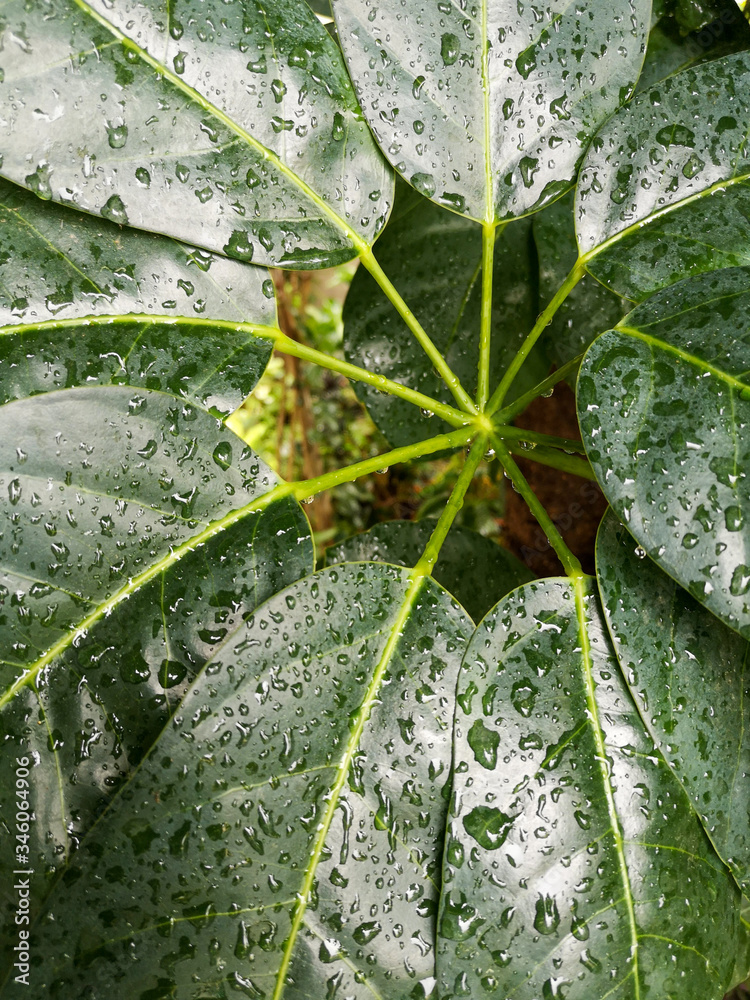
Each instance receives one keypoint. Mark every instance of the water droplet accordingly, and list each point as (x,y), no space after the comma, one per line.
(547,917)
(488,826)
(425,412)
(117,135)
(449,49)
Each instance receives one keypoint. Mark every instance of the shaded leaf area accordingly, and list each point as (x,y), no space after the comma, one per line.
(663,403)
(685,671)
(589,308)
(474,569)
(91,715)
(261,797)
(663,192)
(238,120)
(670,49)
(478,105)
(570,842)
(140,303)
(434,259)
(692,15)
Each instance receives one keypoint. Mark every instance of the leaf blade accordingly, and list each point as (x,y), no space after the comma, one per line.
(525,667)
(255,795)
(249,197)
(703,663)
(678,364)
(639,208)
(471,108)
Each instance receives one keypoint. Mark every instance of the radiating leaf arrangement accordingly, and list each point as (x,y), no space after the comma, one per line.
(416,772)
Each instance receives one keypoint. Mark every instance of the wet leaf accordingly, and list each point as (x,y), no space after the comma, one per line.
(307,765)
(135,529)
(487,107)
(83,302)
(237,120)
(570,842)
(663,192)
(434,259)
(474,569)
(688,675)
(663,403)
(590,308)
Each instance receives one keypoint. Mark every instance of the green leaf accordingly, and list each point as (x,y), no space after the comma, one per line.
(692,15)
(84,302)
(663,192)
(590,308)
(573,863)
(669,51)
(663,403)
(284,833)
(488,107)
(685,671)
(474,569)
(434,259)
(135,528)
(238,121)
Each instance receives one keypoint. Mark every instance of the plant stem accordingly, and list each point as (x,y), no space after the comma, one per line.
(541,324)
(485,333)
(535,437)
(459,393)
(458,418)
(432,550)
(305,488)
(570,563)
(506,414)
(555,459)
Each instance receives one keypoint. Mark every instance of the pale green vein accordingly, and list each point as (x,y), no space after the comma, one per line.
(282,343)
(579,586)
(299,490)
(685,947)
(356,730)
(174,79)
(636,227)
(417,579)
(678,352)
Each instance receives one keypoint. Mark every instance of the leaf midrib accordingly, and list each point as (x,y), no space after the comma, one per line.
(356,240)
(590,255)
(580,590)
(32,670)
(416,583)
(655,342)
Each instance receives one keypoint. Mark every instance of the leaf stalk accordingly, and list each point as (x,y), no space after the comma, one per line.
(463,399)
(570,563)
(545,318)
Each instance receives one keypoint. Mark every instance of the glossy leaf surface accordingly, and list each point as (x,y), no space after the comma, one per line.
(88,717)
(261,794)
(83,302)
(474,569)
(663,192)
(134,526)
(238,121)
(663,404)
(434,259)
(590,308)
(487,107)
(689,677)
(571,844)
